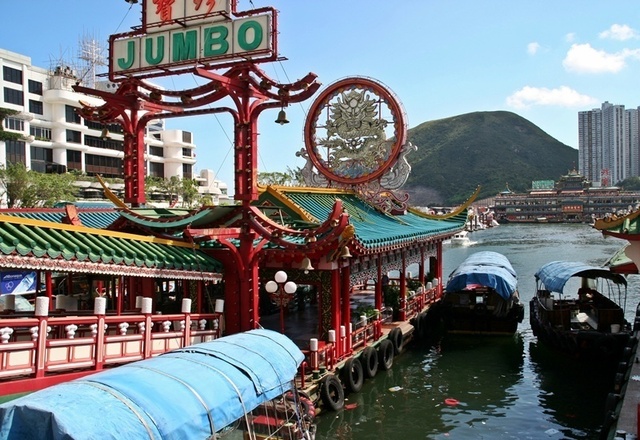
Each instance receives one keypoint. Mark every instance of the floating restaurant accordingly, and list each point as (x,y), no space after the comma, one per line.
(572,199)
(326,263)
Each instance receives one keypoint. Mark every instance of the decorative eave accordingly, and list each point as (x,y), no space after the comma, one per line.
(626,227)
(451,214)
(41,245)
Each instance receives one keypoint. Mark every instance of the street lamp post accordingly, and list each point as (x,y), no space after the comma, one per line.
(281,292)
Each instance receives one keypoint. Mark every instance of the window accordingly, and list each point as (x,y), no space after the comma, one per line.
(186,137)
(74,136)
(40,157)
(156,169)
(13,96)
(71,115)
(36,107)
(15,152)
(106,166)
(40,133)
(74,160)
(156,151)
(107,143)
(187,152)
(187,171)
(14,124)
(10,74)
(35,87)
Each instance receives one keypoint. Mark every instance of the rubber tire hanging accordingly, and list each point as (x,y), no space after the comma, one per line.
(353,375)
(331,392)
(385,355)
(369,360)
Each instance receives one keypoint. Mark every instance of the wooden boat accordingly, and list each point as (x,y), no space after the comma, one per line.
(481,296)
(587,323)
(223,388)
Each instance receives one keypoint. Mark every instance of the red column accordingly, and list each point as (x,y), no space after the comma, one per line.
(335,299)
(346,305)
(403,291)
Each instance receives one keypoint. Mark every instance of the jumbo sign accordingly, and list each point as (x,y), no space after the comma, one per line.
(177,34)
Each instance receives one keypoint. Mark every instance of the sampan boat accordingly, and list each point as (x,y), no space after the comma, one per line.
(587,322)
(236,387)
(481,297)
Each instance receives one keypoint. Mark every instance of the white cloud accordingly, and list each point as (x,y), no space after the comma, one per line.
(620,32)
(570,37)
(532,48)
(582,58)
(562,96)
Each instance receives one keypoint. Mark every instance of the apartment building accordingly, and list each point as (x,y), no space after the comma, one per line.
(609,144)
(55,139)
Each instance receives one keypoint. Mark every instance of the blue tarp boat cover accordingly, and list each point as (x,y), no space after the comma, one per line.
(486,268)
(188,393)
(554,275)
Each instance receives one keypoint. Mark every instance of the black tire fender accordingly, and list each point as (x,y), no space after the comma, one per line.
(397,338)
(353,375)
(331,392)
(369,361)
(385,355)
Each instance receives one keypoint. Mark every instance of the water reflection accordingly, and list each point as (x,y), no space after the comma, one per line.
(508,388)
(572,393)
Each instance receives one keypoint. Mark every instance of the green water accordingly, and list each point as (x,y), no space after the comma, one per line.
(506,387)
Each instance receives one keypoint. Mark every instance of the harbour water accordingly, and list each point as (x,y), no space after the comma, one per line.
(496,387)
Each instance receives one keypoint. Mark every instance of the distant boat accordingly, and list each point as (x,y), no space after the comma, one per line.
(583,323)
(481,297)
(461,239)
(542,220)
(241,386)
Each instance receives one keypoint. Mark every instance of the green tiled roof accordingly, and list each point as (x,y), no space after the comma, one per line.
(97,218)
(35,244)
(374,228)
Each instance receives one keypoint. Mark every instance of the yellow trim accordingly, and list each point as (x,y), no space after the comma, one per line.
(110,195)
(275,192)
(453,213)
(309,189)
(604,224)
(92,231)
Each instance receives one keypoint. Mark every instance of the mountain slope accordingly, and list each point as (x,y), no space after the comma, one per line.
(490,149)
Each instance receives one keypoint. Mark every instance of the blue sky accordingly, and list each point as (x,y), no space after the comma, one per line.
(545,60)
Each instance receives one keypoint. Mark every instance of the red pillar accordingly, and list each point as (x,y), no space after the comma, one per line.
(403,290)
(346,305)
(335,299)
(378,291)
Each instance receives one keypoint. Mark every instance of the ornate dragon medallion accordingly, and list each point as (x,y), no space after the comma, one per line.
(355,131)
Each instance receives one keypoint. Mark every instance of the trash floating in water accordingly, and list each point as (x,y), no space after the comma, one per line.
(351,406)
(394,389)
(451,401)
(551,431)
(635,377)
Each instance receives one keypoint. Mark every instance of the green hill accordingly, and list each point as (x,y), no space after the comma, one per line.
(490,149)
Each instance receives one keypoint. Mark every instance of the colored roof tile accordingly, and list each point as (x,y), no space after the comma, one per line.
(36,244)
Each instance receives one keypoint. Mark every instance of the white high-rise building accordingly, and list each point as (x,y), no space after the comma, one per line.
(609,144)
(53,138)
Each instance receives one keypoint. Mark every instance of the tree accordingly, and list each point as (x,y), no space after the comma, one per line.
(190,195)
(289,177)
(15,180)
(24,188)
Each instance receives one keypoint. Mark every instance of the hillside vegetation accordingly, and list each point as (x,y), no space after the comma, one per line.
(490,149)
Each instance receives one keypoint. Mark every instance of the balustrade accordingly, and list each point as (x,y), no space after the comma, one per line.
(33,346)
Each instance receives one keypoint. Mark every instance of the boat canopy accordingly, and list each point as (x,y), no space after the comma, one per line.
(191,392)
(486,268)
(554,275)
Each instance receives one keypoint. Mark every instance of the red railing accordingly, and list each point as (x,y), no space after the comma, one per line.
(46,347)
